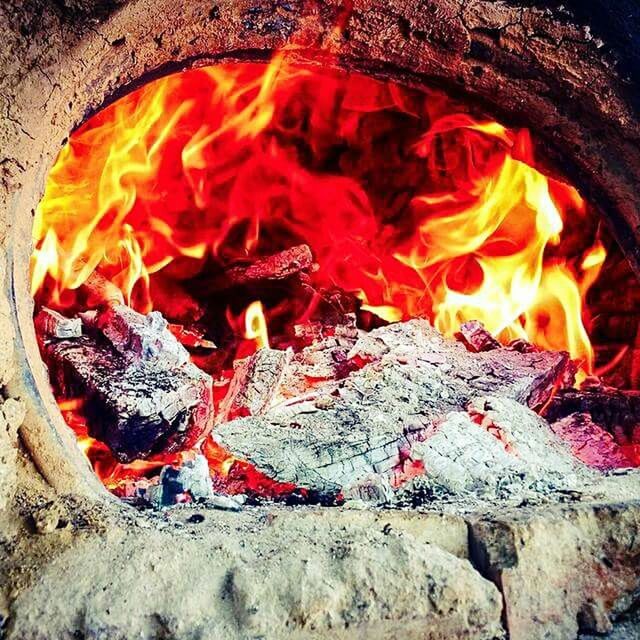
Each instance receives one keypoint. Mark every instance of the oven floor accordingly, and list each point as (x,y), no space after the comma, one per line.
(74,568)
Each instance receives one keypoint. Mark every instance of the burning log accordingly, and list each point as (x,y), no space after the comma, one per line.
(255,383)
(143,395)
(51,324)
(408,377)
(590,443)
(278,266)
(614,410)
(476,337)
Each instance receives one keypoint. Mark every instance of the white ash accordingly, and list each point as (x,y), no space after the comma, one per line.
(365,424)
(254,384)
(464,458)
(192,477)
(139,336)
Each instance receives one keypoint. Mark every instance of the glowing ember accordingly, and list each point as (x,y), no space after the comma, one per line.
(409,204)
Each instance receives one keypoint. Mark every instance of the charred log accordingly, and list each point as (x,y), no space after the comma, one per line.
(612,409)
(255,383)
(279,266)
(409,377)
(590,443)
(141,396)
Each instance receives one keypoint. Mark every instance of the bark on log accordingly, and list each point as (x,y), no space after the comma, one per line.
(410,377)
(278,266)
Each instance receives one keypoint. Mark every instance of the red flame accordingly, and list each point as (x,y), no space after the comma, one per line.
(406,199)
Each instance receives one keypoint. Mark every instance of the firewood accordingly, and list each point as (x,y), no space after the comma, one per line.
(476,337)
(496,448)
(408,376)
(590,443)
(278,266)
(254,385)
(51,324)
(142,396)
(611,409)
(173,301)
(138,336)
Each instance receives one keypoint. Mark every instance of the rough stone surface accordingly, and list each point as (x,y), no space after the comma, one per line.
(562,570)
(238,576)
(11,416)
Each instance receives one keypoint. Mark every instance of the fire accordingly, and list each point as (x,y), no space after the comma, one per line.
(407,201)
(255,325)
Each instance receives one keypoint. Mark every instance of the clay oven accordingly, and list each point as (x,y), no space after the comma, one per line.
(321,320)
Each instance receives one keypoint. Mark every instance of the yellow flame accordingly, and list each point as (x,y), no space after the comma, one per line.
(255,325)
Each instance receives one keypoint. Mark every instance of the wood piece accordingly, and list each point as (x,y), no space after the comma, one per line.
(590,443)
(138,336)
(137,408)
(614,410)
(255,383)
(495,449)
(409,376)
(476,337)
(278,266)
(51,324)
(323,358)
(139,400)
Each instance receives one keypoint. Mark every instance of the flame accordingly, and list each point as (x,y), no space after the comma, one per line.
(407,201)
(255,325)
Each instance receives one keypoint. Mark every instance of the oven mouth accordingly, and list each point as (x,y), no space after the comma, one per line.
(592,254)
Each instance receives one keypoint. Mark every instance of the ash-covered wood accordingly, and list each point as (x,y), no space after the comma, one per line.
(409,378)
(496,448)
(612,409)
(323,359)
(590,443)
(140,337)
(255,383)
(141,396)
(476,337)
(51,324)
(278,266)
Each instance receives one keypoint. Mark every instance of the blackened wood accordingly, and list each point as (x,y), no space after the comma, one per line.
(174,301)
(278,266)
(611,409)
(590,443)
(137,408)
